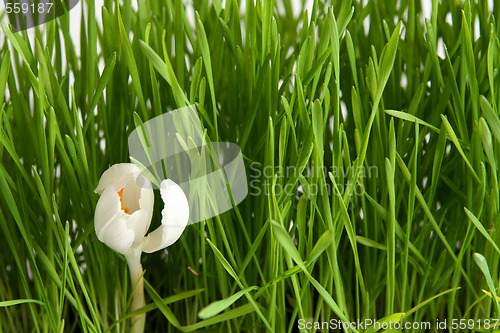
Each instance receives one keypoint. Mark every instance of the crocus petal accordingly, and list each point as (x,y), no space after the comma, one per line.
(140,219)
(123,185)
(109,225)
(175,216)
(119,175)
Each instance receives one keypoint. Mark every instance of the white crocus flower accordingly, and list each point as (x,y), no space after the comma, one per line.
(123,216)
(123,213)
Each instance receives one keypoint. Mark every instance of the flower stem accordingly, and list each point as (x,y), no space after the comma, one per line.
(134,263)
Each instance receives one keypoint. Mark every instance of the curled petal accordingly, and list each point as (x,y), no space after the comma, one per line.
(119,175)
(124,210)
(139,223)
(140,220)
(175,216)
(109,225)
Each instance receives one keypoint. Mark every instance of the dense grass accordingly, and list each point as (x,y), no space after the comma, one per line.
(372,156)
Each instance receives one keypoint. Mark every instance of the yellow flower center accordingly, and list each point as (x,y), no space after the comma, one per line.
(125,209)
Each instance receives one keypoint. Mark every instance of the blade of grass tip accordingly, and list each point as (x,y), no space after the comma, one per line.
(225,317)
(4,74)
(483,265)
(217,307)
(489,294)
(455,141)
(303,113)
(324,89)
(471,68)
(266,14)
(439,153)
(13,209)
(103,81)
(195,80)
(20,46)
(432,43)
(202,88)
(302,59)
(167,72)
(4,304)
(456,95)
(9,147)
(205,53)
(324,241)
(131,63)
(91,48)
(411,118)
(288,112)
(487,141)
(345,14)
(45,202)
(352,59)
(108,36)
(177,89)
(254,107)
(228,36)
(316,68)
(481,229)
(491,117)
(387,62)
(485,133)
(80,140)
(218,6)
(392,318)
(370,243)
(179,42)
(427,301)
(335,60)
(334,39)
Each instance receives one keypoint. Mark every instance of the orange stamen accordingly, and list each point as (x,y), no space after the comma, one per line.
(125,209)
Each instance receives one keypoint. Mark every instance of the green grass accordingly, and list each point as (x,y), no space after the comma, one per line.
(372,160)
